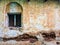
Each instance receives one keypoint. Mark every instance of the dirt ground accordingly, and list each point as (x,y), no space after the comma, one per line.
(19,43)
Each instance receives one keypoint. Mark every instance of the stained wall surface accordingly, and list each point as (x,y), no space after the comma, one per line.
(35,16)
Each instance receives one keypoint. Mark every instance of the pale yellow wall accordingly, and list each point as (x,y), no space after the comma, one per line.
(36,16)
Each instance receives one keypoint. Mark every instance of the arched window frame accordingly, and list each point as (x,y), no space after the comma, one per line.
(7,11)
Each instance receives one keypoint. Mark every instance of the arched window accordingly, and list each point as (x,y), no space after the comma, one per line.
(14,12)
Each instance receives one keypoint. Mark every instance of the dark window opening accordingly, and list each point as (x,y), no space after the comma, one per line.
(14,19)
(45,0)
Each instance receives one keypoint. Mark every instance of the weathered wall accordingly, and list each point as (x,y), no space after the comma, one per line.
(36,16)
